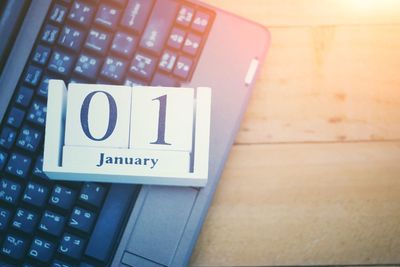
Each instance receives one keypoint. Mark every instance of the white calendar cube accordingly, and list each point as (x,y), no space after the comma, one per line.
(162,118)
(98,115)
(124,134)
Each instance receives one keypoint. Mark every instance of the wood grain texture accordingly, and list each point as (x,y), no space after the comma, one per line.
(291,204)
(314,175)
(327,84)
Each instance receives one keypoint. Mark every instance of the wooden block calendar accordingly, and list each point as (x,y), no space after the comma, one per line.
(123,134)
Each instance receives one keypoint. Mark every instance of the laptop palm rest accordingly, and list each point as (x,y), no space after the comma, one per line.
(165,227)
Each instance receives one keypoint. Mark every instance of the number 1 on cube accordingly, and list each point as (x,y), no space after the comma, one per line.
(162,119)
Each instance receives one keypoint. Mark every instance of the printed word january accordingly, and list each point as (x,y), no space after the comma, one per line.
(151,162)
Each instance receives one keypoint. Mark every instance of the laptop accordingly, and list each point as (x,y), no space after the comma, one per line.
(64,223)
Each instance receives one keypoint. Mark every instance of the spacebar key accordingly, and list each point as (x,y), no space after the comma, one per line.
(109,223)
(159,25)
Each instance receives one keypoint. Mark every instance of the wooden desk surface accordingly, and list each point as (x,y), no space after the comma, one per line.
(314,176)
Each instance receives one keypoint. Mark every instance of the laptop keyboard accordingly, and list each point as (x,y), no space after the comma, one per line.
(132,42)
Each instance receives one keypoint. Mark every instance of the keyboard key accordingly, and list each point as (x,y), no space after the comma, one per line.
(160,79)
(61,63)
(104,81)
(200,21)
(81,219)
(58,13)
(71,38)
(167,61)
(18,165)
(41,250)
(62,197)
(9,191)
(3,159)
(37,113)
(29,139)
(41,55)
(81,13)
(35,194)
(107,16)
(110,221)
(49,34)
(5,216)
(24,96)
(15,117)
(25,220)
(14,247)
(92,194)
(43,87)
(52,223)
(158,26)
(38,168)
(143,66)
(98,41)
(87,66)
(7,137)
(72,246)
(58,263)
(130,81)
(183,67)
(124,44)
(136,13)
(185,16)
(33,75)
(114,69)
(192,44)
(77,80)
(176,38)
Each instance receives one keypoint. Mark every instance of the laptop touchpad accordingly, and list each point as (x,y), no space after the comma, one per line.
(159,226)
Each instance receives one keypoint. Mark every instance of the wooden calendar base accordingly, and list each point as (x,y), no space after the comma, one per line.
(125,165)
(125,160)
